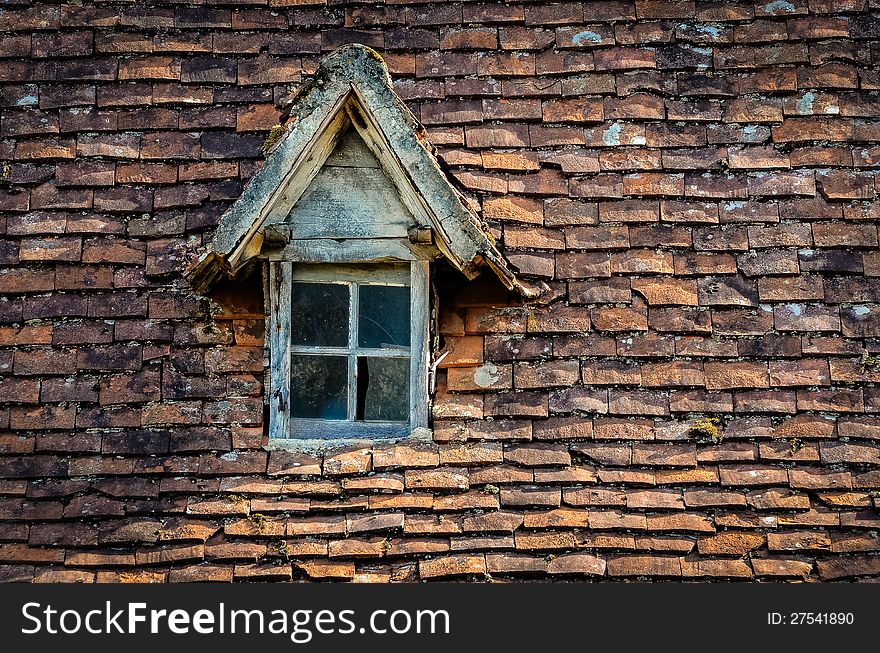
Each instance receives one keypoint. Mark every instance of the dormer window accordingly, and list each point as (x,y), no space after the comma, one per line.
(348,304)
(355,343)
(346,216)
(350,336)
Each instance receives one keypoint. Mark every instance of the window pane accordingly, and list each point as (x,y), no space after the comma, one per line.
(319,314)
(383,389)
(319,386)
(384,316)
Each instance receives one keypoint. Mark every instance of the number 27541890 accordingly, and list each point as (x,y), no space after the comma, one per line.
(810,618)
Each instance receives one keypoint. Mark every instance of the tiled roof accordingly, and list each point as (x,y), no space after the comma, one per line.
(696,397)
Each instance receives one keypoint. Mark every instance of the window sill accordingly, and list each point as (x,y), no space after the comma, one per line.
(321,445)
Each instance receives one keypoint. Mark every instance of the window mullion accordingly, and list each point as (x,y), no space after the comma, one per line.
(352,351)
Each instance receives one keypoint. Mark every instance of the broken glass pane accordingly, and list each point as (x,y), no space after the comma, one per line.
(383,389)
(319,314)
(319,386)
(384,316)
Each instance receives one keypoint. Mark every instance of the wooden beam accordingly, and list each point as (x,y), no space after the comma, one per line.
(279,347)
(351,251)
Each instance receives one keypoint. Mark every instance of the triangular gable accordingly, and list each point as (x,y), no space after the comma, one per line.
(351,197)
(351,90)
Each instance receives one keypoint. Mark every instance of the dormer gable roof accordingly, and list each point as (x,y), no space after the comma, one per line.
(351,90)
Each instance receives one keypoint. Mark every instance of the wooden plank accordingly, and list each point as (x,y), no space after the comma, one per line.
(348,251)
(352,152)
(419,337)
(266,276)
(350,203)
(390,273)
(375,140)
(309,166)
(291,187)
(426,216)
(279,347)
(316,429)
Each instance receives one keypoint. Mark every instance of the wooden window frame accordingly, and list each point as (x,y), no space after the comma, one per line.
(282,274)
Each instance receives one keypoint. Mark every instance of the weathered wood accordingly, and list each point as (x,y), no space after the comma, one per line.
(308,429)
(461,245)
(250,213)
(417,205)
(350,203)
(351,251)
(421,235)
(390,273)
(353,312)
(276,235)
(353,87)
(419,339)
(352,152)
(280,275)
